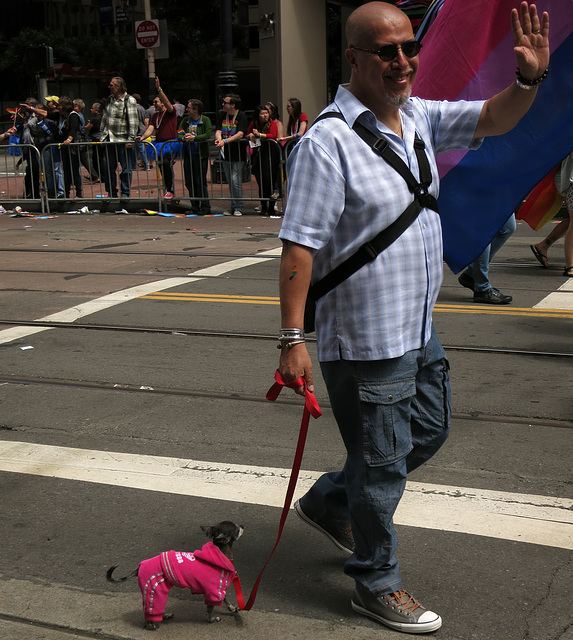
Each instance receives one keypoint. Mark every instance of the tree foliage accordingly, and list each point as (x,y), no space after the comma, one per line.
(104,52)
(190,71)
(194,49)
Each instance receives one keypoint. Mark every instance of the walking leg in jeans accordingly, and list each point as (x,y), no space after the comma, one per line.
(479,268)
(393,415)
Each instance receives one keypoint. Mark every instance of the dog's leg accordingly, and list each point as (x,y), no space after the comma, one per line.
(210,617)
(153,626)
(150,626)
(231,607)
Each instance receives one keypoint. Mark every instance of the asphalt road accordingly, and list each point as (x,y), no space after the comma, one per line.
(140,415)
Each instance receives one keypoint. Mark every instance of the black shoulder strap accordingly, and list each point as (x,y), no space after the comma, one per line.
(422,199)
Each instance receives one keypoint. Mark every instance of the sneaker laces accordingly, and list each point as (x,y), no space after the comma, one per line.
(405,603)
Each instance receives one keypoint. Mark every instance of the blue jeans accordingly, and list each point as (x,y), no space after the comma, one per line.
(479,268)
(234,174)
(114,154)
(141,155)
(53,172)
(393,415)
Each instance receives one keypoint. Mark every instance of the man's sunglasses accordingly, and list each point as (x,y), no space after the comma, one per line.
(388,52)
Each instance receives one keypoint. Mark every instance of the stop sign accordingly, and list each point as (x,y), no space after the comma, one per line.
(147,34)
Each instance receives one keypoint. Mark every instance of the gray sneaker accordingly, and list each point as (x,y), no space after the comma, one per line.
(340,535)
(399,611)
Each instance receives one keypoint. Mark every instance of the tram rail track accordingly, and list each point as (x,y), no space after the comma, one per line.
(197,253)
(292,400)
(188,254)
(252,336)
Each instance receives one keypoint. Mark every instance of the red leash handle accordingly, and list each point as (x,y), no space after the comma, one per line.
(310,403)
(311,408)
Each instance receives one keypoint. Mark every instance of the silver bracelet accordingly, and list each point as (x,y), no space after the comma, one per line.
(289,345)
(291,334)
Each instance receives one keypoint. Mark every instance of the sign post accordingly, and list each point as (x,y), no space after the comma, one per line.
(141,40)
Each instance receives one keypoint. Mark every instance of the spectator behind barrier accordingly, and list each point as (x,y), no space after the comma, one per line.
(195,131)
(231,128)
(164,126)
(297,121)
(70,128)
(265,156)
(120,124)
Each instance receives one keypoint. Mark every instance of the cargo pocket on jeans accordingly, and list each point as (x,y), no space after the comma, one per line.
(386,411)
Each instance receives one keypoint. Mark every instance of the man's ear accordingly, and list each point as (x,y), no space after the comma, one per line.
(351,57)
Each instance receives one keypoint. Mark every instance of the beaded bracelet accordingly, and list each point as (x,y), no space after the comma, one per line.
(528,85)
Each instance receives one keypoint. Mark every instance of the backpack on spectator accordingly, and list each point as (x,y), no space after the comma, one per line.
(82,136)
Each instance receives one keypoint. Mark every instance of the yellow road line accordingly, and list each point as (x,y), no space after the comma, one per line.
(506,311)
(439,308)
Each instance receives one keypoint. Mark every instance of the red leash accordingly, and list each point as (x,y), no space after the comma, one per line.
(311,408)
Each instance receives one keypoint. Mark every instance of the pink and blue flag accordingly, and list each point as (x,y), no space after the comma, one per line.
(468,55)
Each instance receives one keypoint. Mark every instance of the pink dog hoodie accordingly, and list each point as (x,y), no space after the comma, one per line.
(206,571)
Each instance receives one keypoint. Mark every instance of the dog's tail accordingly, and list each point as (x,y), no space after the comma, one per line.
(110,578)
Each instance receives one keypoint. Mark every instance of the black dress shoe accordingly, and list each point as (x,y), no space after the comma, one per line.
(466,280)
(491,296)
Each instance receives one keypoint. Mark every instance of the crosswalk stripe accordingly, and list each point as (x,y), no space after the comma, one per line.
(560,299)
(534,519)
(118,297)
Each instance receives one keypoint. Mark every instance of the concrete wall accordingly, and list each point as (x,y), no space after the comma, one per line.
(303,54)
(293,61)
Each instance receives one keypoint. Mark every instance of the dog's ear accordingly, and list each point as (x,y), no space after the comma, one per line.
(208,531)
(222,538)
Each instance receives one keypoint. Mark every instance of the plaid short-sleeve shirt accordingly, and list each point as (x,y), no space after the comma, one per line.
(341,194)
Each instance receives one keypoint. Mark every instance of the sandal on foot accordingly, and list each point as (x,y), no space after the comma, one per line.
(541,257)
(568,273)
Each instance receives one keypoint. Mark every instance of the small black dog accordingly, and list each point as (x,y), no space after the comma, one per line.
(208,571)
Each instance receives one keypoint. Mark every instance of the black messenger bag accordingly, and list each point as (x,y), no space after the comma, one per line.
(370,250)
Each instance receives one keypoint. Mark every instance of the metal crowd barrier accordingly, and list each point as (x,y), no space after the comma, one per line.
(110,176)
(21,176)
(255,177)
(102,174)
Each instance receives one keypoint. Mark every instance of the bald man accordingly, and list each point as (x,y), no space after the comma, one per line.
(385,370)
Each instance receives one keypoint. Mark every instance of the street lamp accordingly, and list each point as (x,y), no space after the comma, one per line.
(227,78)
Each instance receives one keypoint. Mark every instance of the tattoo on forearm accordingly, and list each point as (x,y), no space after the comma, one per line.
(294,273)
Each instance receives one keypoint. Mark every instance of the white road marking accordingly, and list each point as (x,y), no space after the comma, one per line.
(533,519)
(118,297)
(560,299)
